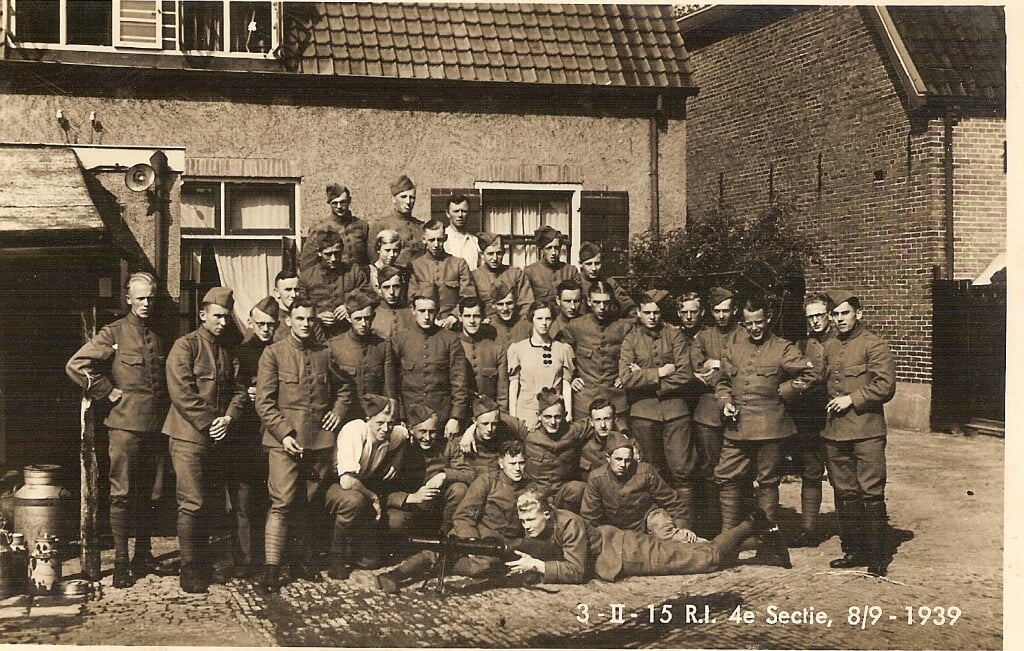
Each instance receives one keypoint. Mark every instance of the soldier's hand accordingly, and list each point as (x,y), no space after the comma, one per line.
(114,395)
(424,494)
(730,410)
(437,481)
(390,474)
(666,370)
(375,503)
(684,535)
(251,391)
(705,375)
(451,428)
(341,313)
(331,421)
(617,383)
(578,384)
(633,366)
(291,446)
(836,405)
(326,318)
(449,322)
(219,428)
(468,441)
(524,563)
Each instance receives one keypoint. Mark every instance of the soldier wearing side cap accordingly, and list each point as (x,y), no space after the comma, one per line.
(761,374)
(301,404)
(206,398)
(591,263)
(545,274)
(361,358)
(493,271)
(329,281)
(246,472)
(655,364)
(861,377)
(401,219)
(509,325)
(393,313)
(355,232)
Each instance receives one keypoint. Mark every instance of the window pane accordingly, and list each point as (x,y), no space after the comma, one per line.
(521,213)
(38,21)
(260,207)
(200,205)
(202,25)
(250,27)
(90,22)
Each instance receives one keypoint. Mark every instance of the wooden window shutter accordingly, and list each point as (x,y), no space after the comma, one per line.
(604,220)
(439,205)
(138,23)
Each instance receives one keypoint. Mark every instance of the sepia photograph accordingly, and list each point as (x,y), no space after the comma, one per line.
(401,325)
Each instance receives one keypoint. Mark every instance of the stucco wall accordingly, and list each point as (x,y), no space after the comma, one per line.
(366,148)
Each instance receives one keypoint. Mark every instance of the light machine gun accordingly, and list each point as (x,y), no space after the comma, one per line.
(451,548)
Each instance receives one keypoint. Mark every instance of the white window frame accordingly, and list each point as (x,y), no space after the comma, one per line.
(576,189)
(247,180)
(276,8)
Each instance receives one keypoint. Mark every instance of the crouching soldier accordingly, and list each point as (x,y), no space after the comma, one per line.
(610,553)
(370,454)
(301,406)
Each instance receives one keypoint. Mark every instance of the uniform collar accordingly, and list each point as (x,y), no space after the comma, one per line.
(136,321)
(501,269)
(310,341)
(857,329)
(653,333)
(207,335)
(768,336)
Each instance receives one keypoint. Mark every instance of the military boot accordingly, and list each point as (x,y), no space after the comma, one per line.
(192,577)
(270,582)
(850,513)
(876,529)
(772,548)
(768,501)
(119,527)
(685,493)
(341,554)
(413,567)
(730,497)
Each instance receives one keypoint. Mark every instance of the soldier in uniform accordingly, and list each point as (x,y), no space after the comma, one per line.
(760,374)
(442,273)
(401,219)
(370,452)
(286,288)
(485,355)
(301,406)
(806,448)
(246,473)
(655,363)
(354,232)
(493,271)
(545,274)
(457,241)
(506,321)
(624,492)
(710,344)
(124,364)
(569,299)
(393,313)
(328,282)
(596,339)
(602,422)
(591,261)
(206,397)
(433,366)
(691,314)
(361,358)
(861,377)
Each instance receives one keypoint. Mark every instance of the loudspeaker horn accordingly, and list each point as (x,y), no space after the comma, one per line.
(139,177)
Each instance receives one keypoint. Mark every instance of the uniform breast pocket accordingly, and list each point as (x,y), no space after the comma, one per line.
(489,372)
(856,375)
(408,365)
(129,371)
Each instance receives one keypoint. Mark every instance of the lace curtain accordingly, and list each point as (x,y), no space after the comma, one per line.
(248,268)
(522,216)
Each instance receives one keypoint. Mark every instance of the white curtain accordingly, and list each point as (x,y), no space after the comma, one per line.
(248,268)
(523,217)
(259,207)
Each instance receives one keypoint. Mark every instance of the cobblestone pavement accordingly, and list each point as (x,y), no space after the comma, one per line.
(946,507)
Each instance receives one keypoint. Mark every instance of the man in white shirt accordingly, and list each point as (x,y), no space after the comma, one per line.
(460,243)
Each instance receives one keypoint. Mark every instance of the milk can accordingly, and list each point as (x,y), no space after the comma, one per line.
(42,506)
(44,565)
(20,560)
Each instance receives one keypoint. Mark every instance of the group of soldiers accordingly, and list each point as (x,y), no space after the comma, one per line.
(407,382)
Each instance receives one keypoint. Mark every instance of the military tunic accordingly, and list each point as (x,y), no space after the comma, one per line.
(625,303)
(488,509)
(434,372)
(625,502)
(544,279)
(410,231)
(597,346)
(366,365)
(389,320)
(513,278)
(327,289)
(450,276)
(355,233)
(487,359)
(508,334)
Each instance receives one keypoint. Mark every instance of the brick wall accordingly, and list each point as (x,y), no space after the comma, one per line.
(979,194)
(806,105)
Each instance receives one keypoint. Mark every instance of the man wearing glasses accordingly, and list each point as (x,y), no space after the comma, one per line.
(328,282)
(355,232)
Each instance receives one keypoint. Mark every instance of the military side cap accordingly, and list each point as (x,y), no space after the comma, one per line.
(548,397)
(402,184)
(387,273)
(545,235)
(653,296)
(268,305)
(334,191)
(841,296)
(589,250)
(719,294)
(419,413)
(426,291)
(374,404)
(483,405)
(618,440)
(499,290)
(222,296)
(359,299)
(487,239)
(325,237)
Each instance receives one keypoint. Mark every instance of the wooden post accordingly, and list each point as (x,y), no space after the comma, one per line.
(90,549)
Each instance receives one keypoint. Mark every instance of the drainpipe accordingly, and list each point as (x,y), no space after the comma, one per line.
(947,162)
(655,125)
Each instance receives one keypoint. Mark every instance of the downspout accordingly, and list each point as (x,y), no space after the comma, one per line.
(655,126)
(947,163)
